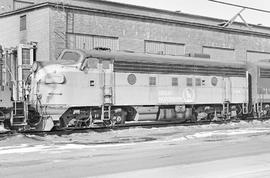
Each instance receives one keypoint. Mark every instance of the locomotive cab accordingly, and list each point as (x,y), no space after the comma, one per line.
(70,86)
(50,85)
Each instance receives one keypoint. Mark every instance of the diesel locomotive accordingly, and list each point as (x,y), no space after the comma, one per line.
(84,89)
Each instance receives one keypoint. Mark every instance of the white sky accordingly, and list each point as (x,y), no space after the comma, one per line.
(211,9)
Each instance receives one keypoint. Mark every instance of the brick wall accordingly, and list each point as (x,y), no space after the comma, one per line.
(49,26)
(9,33)
(57,32)
(6,5)
(37,30)
(133,32)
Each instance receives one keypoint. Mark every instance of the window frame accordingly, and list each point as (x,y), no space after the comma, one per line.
(198,82)
(175,82)
(189,82)
(152,81)
(23,21)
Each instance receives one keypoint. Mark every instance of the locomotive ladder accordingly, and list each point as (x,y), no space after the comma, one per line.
(107,95)
(107,102)
(226,109)
(259,106)
(245,108)
(19,114)
(106,113)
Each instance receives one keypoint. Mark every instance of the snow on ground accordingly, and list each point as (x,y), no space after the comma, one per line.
(231,150)
(115,138)
(2,129)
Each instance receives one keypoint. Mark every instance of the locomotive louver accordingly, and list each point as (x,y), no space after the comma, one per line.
(264,73)
(124,66)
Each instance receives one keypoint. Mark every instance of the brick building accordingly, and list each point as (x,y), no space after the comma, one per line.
(87,24)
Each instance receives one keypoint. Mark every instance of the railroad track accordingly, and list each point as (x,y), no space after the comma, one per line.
(153,124)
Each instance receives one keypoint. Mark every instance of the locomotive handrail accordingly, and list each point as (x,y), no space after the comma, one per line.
(15,83)
(12,76)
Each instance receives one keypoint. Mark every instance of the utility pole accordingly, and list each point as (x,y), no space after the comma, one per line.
(229,22)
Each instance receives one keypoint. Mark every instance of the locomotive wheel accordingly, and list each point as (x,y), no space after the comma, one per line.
(119,118)
(211,116)
(5,119)
(131,113)
(108,123)
(33,118)
(2,116)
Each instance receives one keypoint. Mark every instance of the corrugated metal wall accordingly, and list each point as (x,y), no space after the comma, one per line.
(88,42)
(165,48)
(219,53)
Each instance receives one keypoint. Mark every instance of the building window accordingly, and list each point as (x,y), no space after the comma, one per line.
(189,82)
(22,22)
(26,56)
(174,81)
(152,81)
(219,53)
(164,48)
(89,42)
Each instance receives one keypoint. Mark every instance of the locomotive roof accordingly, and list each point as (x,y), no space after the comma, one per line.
(154,58)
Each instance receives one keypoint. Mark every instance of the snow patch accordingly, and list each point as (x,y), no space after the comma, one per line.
(227,133)
(24,148)
(116,138)
(2,129)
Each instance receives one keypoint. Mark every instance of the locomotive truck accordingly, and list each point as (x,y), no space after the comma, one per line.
(84,89)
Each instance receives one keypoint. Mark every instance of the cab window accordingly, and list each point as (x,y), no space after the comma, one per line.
(71,56)
(106,64)
(92,63)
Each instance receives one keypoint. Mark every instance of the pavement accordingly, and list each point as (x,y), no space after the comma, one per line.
(216,152)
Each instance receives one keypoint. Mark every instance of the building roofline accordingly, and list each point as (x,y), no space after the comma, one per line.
(144,17)
(152,9)
(25,9)
(170,12)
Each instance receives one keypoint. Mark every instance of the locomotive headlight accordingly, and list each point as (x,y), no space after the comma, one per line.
(34,67)
(54,79)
